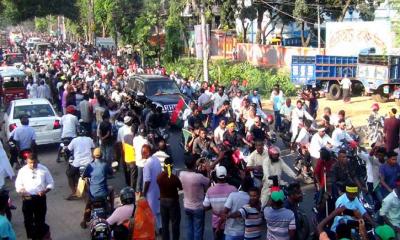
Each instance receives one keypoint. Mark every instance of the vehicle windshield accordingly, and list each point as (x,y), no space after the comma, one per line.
(161,88)
(33,111)
(14,58)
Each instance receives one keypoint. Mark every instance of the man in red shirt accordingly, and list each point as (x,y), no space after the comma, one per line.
(324,164)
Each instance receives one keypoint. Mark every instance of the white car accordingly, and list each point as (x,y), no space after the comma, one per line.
(42,118)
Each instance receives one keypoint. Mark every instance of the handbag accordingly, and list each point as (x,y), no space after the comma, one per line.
(81,188)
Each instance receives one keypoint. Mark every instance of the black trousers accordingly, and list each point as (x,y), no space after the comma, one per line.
(34,209)
(133,174)
(170,213)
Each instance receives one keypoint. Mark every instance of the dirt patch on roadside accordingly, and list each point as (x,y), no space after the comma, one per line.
(357,110)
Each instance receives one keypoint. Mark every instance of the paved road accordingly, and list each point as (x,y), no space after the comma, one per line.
(64,216)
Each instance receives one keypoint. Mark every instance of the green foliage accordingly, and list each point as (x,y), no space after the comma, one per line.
(173,32)
(41,25)
(395,4)
(224,72)
(228,11)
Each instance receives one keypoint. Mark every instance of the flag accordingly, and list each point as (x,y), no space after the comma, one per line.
(176,114)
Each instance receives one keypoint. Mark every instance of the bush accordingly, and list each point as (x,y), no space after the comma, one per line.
(224,72)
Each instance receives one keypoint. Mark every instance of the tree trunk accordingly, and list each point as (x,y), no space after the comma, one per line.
(306,43)
(244,32)
(103,26)
(344,10)
(302,34)
(260,17)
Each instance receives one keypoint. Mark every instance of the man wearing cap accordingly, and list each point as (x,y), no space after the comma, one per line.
(281,223)
(96,172)
(390,210)
(125,147)
(352,203)
(385,232)
(215,199)
(138,141)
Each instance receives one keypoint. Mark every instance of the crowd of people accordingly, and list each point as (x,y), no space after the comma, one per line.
(233,165)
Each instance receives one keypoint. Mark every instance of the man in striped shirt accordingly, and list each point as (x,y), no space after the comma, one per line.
(281,224)
(215,199)
(252,215)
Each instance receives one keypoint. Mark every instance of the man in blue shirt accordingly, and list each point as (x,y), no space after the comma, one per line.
(97,172)
(353,207)
(24,135)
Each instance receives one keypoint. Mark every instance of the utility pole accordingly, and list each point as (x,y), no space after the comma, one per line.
(319,28)
(204,40)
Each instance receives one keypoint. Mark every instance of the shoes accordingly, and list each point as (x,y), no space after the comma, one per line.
(71,198)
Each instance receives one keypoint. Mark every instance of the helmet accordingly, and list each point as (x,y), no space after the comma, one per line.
(82,131)
(375,107)
(100,229)
(270,119)
(70,109)
(127,195)
(274,153)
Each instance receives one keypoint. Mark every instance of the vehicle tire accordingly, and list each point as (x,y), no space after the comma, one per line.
(334,93)
(357,89)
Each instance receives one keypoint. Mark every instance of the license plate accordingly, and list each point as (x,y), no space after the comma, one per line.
(386,89)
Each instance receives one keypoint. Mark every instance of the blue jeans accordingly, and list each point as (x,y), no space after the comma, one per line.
(227,237)
(194,224)
(277,120)
(107,152)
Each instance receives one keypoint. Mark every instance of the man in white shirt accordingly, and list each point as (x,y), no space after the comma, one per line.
(69,123)
(82,147)
(219,132)
(340,134)
(218,99)
(33,182)
(205,102)
(318,141)
(138,142)
(188,111)
(237,104)
(346,86)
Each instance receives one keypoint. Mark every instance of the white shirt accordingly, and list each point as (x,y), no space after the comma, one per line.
(391,208)
(219,135)
(82,147)
(122,132)
(34,181)
(218,101)
(346,83)
(372,166)
(203,99)
(185,116)
(304,137)
(237,104)
(337,136)
(317,143)
(138,143)
(69,123)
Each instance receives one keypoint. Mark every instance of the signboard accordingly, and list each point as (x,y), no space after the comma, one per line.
(107,42)
(350,38)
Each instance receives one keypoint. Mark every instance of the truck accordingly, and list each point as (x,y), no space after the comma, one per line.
(323,72)
(377,75)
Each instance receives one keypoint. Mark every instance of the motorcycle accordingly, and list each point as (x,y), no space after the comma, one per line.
(18,156)
(63,151)
(303,166)
(375,131)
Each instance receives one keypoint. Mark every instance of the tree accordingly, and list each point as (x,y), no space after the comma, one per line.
(302,12)
(41,25)
(246,15)
(395,4)
(174,29)
(228,13)
(103,12)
